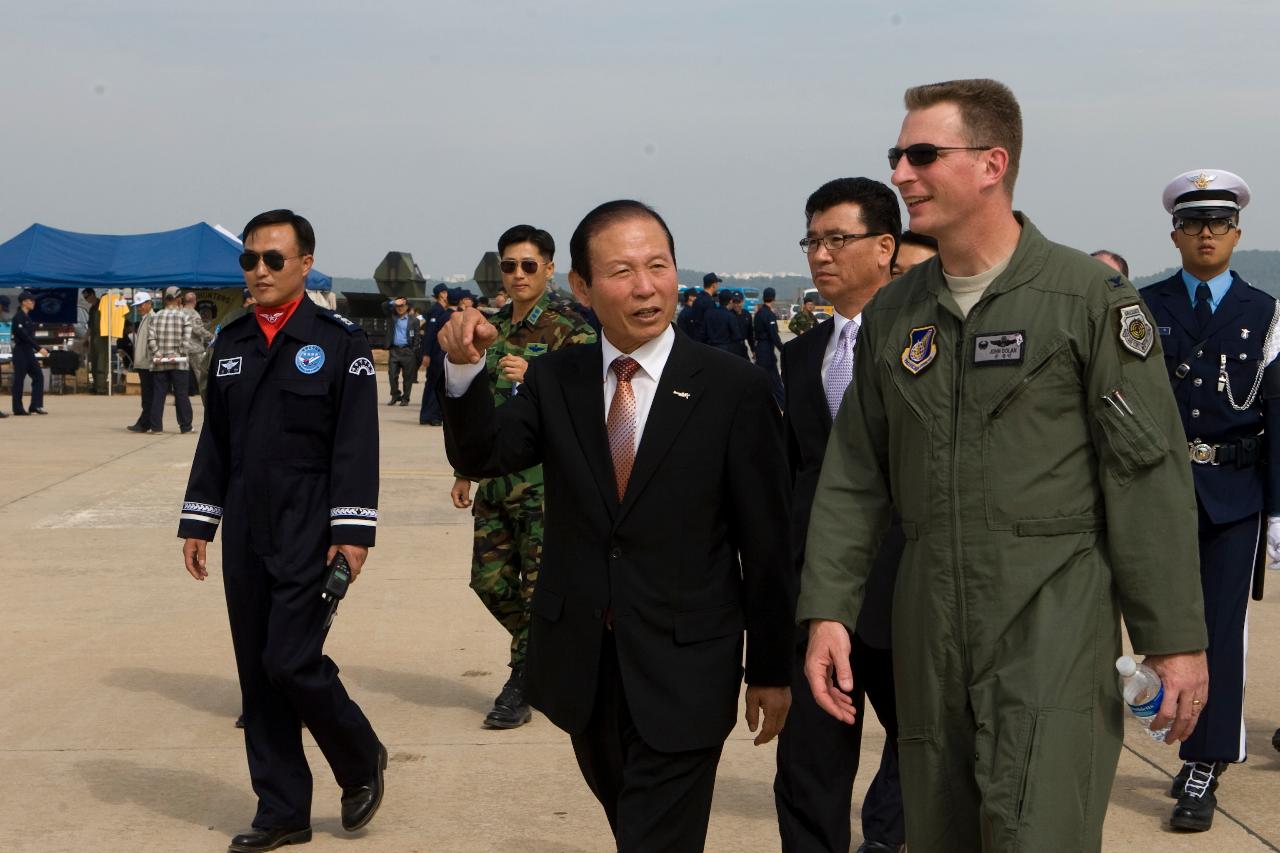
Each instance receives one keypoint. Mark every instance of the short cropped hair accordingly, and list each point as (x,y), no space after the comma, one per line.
(725,297)
(302,229)
(599,219)
(877,203)
(989,110)
(528,234)
(914,238)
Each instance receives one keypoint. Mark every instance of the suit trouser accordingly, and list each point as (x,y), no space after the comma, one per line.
(163,381)
(402,361)
(277,629)
(148,390)
(655,801)
(25,364)
(98,363)
(818,760)
(431,410)
(1227,555)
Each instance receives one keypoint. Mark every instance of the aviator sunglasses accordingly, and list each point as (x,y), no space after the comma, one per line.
(924,153)
(529,266)
(273,259)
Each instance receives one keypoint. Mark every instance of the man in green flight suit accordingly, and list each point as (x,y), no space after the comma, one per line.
(1010,401)
(804,320)
(508,510)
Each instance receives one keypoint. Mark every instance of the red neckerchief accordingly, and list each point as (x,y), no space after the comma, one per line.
(272,320)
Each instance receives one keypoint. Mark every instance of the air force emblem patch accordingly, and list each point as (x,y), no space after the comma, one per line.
(361,367)
(1136,332)
(309,359)
(922,349)
(229,366)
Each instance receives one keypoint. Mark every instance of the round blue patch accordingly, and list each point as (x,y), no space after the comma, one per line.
(309,359)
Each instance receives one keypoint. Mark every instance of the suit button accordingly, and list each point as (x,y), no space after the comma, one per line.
(615,553)
(1195,413)
(1198,382)
(1199,353)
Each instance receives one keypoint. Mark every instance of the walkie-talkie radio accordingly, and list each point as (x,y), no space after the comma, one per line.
(336,581)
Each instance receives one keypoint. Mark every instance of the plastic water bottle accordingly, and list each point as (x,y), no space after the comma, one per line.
(1143,691)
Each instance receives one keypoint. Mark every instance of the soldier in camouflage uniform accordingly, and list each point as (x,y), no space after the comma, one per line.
(804,320)
(508,510)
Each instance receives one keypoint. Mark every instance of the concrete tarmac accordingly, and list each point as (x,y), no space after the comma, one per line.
(119,691)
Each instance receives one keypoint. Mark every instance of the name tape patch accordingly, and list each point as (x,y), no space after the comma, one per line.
(1000,348)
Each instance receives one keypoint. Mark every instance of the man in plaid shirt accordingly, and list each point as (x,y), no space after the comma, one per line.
(168,334)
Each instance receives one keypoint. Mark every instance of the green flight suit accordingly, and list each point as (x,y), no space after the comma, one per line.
(1036,513)
(802,322)
(507,547)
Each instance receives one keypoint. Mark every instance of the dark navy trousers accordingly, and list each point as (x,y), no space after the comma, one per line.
(277,629)
(1227,555)
(24,365)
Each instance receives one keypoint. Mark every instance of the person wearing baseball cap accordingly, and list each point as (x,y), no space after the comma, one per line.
(1217,332)
(143,354)
(25,353)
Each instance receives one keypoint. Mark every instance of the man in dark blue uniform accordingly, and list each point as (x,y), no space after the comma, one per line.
(288,459)
(1220,338)
(768,343)
(720,324)
(744,339)
(703,304)
(25,353)
(429,351)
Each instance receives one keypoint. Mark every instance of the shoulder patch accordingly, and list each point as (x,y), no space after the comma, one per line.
(1136,332)
(1116,281)
(335,317)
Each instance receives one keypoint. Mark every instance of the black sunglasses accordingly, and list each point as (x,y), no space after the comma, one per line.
(924,153)
(273,259)
(529,266)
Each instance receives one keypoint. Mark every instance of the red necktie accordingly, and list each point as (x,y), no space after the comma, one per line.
(621,423)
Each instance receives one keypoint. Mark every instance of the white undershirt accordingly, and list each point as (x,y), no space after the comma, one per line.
(834,341)
(652,356)
(968,289)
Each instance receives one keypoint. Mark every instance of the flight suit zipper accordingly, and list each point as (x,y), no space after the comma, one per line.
(957,567)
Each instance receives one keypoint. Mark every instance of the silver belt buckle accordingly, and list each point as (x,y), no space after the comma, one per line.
(1203,454)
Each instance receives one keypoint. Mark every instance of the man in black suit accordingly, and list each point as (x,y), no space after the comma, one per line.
(636,642)
(853,229)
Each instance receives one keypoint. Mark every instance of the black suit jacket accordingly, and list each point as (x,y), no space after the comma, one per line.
(696,551)
(808,426)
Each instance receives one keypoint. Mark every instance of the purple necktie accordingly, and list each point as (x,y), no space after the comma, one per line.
(840,370)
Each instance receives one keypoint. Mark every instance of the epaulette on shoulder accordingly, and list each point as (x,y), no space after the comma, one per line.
(334,317)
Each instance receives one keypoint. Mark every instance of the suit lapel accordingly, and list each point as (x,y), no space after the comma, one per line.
(667,416)
(813,368)
(1235,302)
(1173,297)
(585,401)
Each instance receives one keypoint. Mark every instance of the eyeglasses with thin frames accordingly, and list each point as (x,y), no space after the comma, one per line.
(833,242)
(528,265)
(924,153)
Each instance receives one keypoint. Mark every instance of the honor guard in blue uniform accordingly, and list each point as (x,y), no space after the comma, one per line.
(287,463)
(25,352)
(1220,338)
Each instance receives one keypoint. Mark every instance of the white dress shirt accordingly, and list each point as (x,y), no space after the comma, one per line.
(652,357)
(834,340)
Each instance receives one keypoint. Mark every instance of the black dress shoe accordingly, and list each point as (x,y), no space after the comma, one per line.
(4,414)
(39,412)
(510,710)
(138,428)
(404,401)
(1197,801)
(240,722)
(878,847)
(185,430)
(395,398)
(434,423)
(268,839)
(360,803)
(1275,740)
(20,414)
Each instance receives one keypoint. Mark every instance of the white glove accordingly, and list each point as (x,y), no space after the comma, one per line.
(1273,539)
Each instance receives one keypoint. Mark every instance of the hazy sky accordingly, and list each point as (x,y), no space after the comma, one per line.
(429,127)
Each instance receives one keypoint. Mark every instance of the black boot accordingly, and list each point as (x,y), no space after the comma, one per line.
(1180,781)
(1196,799)
(510,710)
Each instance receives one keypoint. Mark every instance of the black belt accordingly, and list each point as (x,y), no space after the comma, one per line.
(1243,453)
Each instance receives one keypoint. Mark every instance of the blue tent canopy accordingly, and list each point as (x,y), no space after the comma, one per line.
(194,257)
